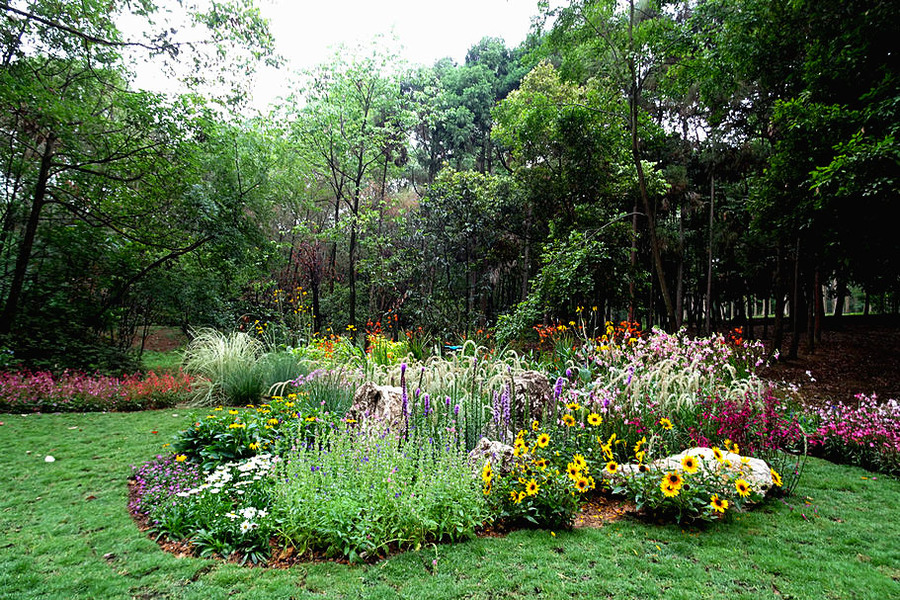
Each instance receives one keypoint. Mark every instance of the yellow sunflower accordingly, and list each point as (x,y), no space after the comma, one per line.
(776,478)
(742,487)
(573,406)
(718,504)
(535,425)
(181,458)
(594,419)
(718,454)
(531,488)
(540,463)
(573,471)
(612,467)
(578,459)
(673,479)
(543,440)
(487,473)
(569,420)
(668,491)
(690,463)
(666,423)
(582,484)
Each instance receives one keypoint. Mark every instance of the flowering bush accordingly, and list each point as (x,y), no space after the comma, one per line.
(77,392)
(867,434)
(221,511)
(545,484)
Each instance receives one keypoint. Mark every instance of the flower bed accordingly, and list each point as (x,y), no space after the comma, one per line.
(336,488)
(24,392)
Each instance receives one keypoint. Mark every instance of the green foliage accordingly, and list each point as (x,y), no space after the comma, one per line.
(356,494)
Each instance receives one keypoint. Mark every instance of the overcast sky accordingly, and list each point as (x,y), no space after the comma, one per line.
(306,32)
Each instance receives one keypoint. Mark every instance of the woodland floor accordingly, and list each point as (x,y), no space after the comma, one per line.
(861,356)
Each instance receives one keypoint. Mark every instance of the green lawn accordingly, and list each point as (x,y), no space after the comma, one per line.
(67,534)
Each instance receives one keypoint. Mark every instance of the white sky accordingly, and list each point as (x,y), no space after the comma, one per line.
(308,31)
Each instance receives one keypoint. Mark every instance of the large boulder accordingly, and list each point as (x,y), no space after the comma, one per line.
(380,403)
(533,392)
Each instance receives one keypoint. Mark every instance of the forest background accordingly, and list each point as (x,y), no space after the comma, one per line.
(679,164)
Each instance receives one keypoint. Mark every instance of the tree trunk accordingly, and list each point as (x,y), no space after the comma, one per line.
(839,303)
(709,250)
(11,307)
(795,306)
(778,327)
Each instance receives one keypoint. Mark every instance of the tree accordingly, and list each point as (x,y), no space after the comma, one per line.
(352,129)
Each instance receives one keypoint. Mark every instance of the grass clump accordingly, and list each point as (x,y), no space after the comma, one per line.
(226,368)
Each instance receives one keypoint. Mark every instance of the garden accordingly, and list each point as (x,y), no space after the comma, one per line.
(263,455)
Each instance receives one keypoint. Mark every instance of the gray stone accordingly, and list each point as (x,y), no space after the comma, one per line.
(380,403)
(502,456)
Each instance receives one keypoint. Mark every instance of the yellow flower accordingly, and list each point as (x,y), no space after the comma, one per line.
(522,495)
(718,454)
(742,487)
(612,467)
(594,419)
(272,421)
(573,471)
(310,418)
(535,425)
(582,484)
(666,424)
(218,408)
(253,446)
(519,450)
(569,420)
(718,504)
(181,458)
(673,479)
(487,490)
(540,463)
(668,491)
(640,455)
(543,440)
(487,473)
(578,459)
(531,488)
(641,442)
(236,426)
(232,412)
(690,464)
(776,478)
(573,406)
(735,449)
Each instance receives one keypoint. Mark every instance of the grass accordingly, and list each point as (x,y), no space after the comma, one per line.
(162,362)
(67,534)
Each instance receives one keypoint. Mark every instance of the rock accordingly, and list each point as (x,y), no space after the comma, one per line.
(754,470)
(501,456)
(532,390)
(381,403)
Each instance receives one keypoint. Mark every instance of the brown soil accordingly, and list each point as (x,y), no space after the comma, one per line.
(161,339)
(862,356)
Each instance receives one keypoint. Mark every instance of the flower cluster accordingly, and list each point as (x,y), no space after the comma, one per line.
(220,512)
(544,485)
(24,391)
(704,485)
(867,434)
